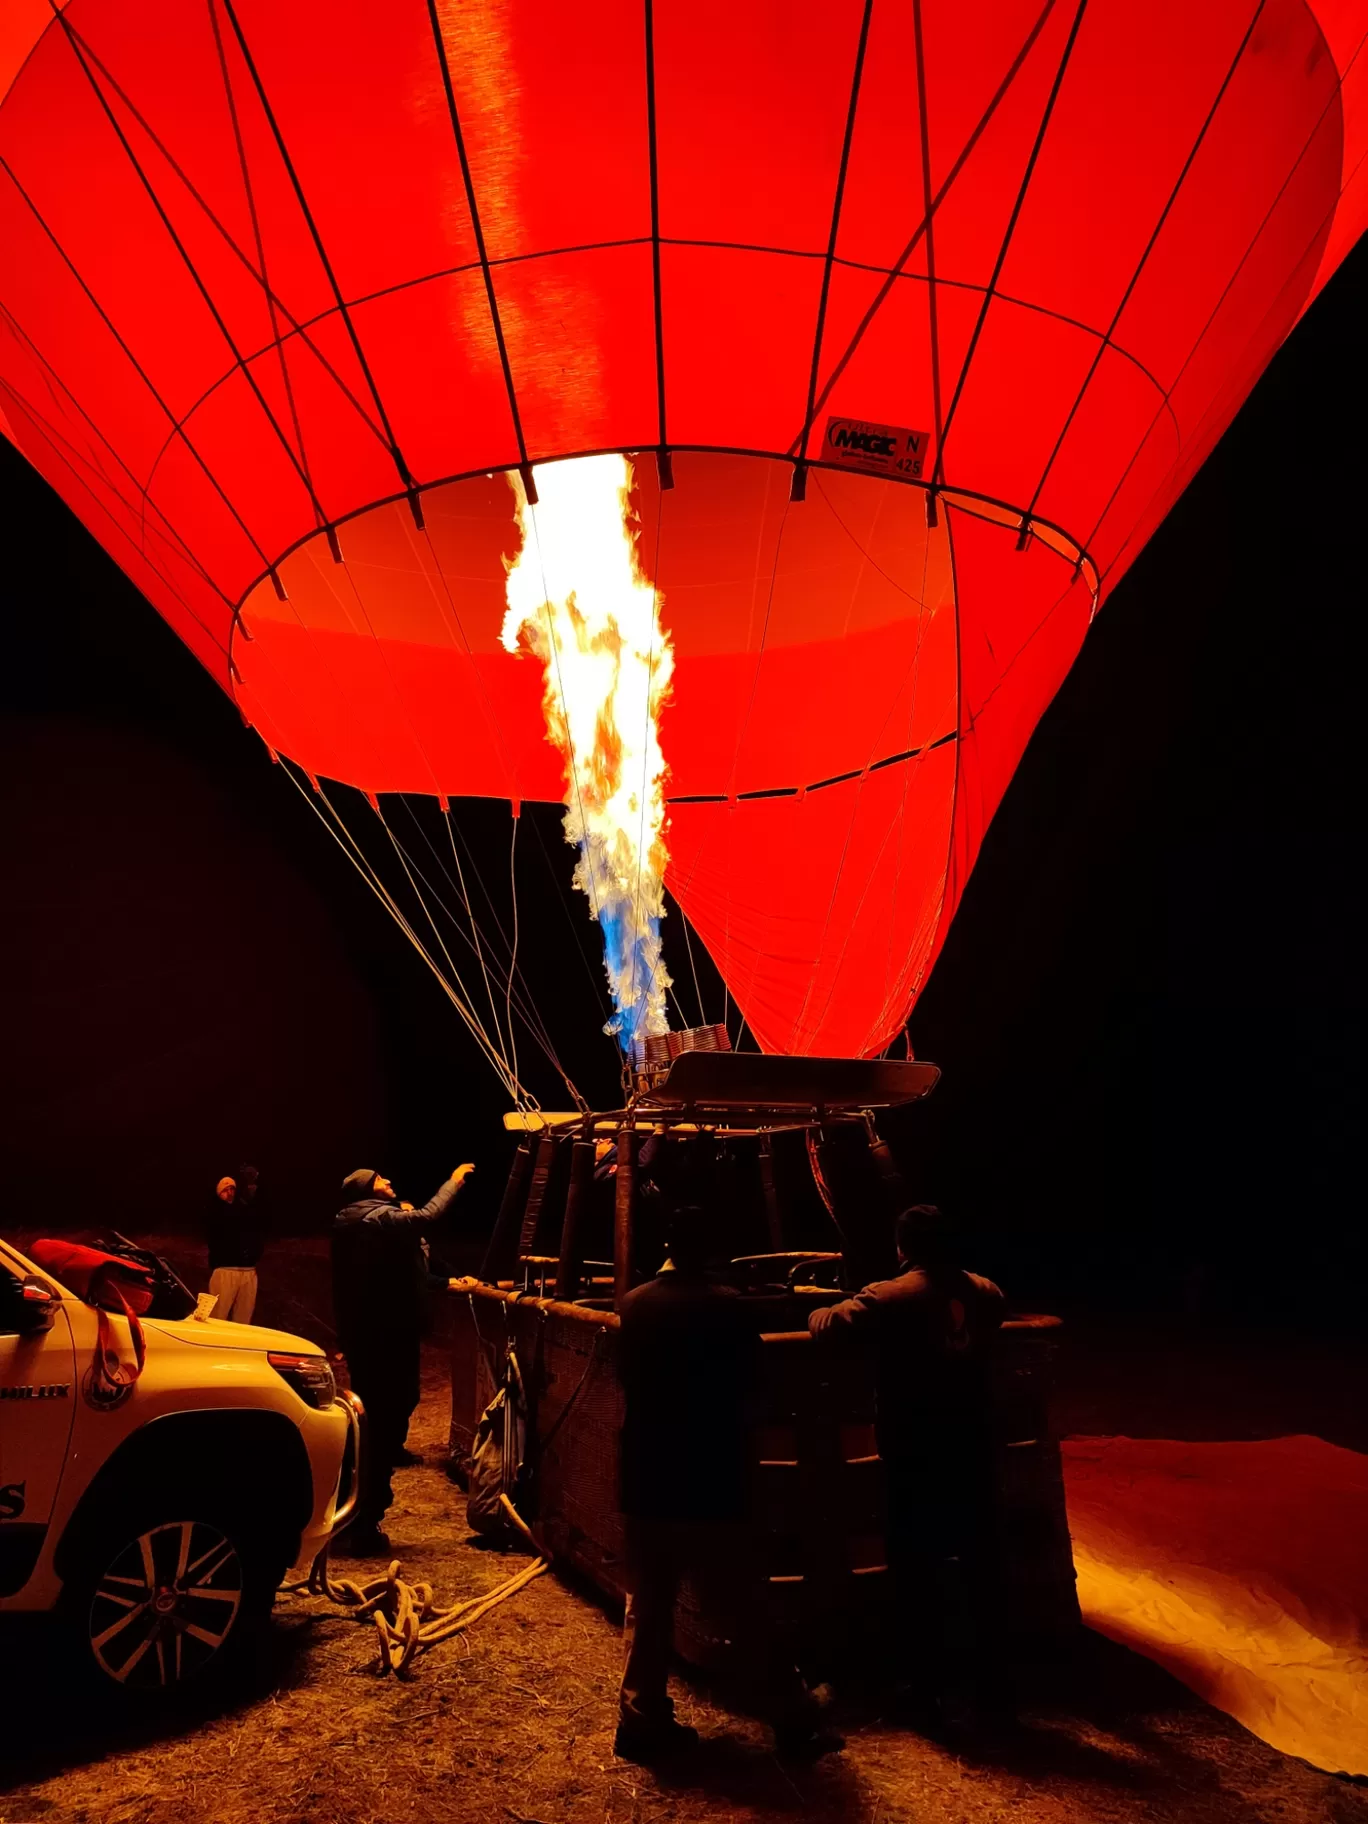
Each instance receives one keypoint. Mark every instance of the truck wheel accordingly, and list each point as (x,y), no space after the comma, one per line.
(166,1602)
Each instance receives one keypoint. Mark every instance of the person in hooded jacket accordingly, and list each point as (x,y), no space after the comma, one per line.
(930,1334)
(236,1237)
(379,1274)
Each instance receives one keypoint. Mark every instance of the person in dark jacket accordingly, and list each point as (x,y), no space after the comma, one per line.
(236,1237)
(379,1275)
(688,1363)
(930,1334)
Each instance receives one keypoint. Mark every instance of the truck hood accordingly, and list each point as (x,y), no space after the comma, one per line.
(211,1333)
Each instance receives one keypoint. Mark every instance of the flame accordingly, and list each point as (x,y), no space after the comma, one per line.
(578,600)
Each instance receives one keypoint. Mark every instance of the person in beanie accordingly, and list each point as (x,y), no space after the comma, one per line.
(236,1238)
(379,1281)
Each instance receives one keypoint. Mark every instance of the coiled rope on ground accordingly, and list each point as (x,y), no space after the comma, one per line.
(407,1620)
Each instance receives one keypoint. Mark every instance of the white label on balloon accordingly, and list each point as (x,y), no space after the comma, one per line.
(879,449)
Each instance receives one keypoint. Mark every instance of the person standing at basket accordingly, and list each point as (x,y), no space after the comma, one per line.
(688,1363)
(236,1238)
(930,1332)
(379,1276)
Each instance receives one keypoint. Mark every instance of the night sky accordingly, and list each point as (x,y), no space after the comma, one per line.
(1149,1011)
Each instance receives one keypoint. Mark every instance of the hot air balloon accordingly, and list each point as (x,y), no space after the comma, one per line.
(912,320)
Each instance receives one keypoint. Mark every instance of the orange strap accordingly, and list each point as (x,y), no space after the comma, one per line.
(111,1379)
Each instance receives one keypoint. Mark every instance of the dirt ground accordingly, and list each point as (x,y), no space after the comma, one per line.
(514,1721)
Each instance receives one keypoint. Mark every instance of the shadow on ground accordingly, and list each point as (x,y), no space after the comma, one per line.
(513,1721)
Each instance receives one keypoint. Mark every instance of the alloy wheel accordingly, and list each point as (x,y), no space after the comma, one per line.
(166,1604)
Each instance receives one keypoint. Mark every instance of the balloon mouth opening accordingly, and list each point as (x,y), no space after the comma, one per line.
(697,497)
(816,662)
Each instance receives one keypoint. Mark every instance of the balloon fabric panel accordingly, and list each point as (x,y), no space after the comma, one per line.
(283,286)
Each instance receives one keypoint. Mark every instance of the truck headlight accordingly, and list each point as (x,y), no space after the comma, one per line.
(309,1375)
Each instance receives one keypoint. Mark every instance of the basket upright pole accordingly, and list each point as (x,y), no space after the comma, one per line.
(623,1206)
(570,1268)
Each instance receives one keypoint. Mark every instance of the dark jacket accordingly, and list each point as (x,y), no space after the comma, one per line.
(688,1362)
(930,1333)
(379,1273)
(235,1232)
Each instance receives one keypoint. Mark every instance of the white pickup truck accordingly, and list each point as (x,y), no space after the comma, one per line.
(155,1525)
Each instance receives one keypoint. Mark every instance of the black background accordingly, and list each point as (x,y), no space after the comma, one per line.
(1149,1010)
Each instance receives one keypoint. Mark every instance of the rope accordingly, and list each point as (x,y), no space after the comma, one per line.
(465,902)
(513,951)
(347,843)
(522,995)
(518,992)
(510,1072)
(407,1620)
(693,966)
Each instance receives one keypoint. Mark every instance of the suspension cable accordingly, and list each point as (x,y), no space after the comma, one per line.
(519,994)
(465,901)
(513,953)
(524,1000)
(349,847)
(509,1067)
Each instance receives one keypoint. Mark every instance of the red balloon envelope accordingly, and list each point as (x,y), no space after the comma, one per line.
(931,310)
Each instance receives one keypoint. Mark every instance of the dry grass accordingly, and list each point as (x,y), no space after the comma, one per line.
(513,1722)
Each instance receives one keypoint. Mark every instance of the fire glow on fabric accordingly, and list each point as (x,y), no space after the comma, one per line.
(577,599)
(285,291)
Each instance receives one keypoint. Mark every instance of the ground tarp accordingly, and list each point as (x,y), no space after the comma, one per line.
(1242,1568)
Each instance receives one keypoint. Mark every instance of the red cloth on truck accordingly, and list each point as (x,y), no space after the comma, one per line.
(94,1275)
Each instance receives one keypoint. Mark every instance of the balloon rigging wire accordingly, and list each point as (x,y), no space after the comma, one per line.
(347,842)
(466,1011)
(513,953)
(895,272)
(465,901)
(80,50)
(511,1068)
(1166,405)
(991,290)
(427,913)
(1107,336)
(351,849)
(693,966)
(298,329)
(344,310)
(526,1009)
(596,986)
(250,195)
(520,995)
